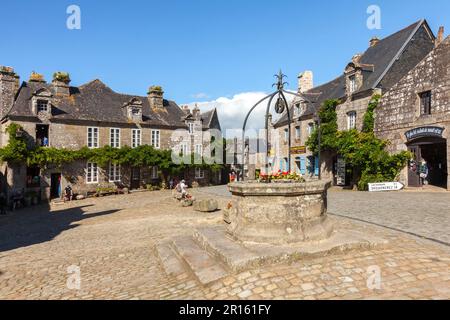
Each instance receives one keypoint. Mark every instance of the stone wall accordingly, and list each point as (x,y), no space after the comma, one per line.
(74,136)
(414,52)
(9,84)
(399,109)
(358,105)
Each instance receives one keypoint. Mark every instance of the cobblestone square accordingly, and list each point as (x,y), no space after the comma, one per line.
(112,239)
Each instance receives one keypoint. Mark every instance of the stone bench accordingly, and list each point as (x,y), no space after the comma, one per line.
(209,205)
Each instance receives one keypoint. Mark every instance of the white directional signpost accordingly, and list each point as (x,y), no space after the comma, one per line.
(385,186)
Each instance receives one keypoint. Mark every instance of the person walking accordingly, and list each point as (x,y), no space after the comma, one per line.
(423,172)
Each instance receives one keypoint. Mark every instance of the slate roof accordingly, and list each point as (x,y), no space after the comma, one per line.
(377,60)
(384,54)
(95,101)
(334,89)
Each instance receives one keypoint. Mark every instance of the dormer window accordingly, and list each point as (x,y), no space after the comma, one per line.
(297,109)
(134,110)
(352,84)
(191,127)
(42,106)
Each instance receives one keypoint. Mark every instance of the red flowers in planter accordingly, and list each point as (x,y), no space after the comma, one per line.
(281,175)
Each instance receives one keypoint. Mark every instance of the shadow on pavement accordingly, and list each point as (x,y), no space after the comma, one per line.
(38,224)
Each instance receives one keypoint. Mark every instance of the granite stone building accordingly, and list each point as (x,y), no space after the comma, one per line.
(375,71)
(59,115)
(414,115)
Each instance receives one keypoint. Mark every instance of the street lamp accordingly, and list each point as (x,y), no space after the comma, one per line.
(319,123)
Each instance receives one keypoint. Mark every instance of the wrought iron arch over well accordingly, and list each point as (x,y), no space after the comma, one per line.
(281,107)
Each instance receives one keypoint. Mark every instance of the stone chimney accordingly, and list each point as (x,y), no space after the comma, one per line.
(156,97)
(305,81)
(440,36)
(196,111)
(36,77)
(186,109)
(61,83)
(9,85)
(374,41)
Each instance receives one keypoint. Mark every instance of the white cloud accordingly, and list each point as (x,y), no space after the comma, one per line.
(200,95)
(232,111)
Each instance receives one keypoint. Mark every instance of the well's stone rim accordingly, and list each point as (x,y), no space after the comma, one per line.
(278,189)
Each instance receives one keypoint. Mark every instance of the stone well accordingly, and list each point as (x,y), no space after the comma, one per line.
(279,213)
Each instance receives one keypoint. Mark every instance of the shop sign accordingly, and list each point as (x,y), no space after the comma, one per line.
(424,132)
(298,150)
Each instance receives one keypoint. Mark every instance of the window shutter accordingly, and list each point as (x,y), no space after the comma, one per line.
(302,165)
(316,166)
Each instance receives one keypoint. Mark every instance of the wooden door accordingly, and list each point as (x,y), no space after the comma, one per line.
(135,178)
(413,167)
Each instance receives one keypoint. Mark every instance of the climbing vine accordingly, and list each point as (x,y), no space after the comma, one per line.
(18,151)
(362,151)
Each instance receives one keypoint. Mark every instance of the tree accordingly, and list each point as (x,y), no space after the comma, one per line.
(17,152)
(361,150)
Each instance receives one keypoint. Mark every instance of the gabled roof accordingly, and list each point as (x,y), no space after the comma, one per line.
(376,62)
(209,117)
(383,55)
(94,101)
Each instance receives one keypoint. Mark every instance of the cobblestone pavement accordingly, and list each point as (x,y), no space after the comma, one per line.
(112,241)
(424,214)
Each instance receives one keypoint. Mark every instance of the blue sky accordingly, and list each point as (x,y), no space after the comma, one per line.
(198,50)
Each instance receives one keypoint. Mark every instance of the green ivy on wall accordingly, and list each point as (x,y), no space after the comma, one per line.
(17,152)
(363,151)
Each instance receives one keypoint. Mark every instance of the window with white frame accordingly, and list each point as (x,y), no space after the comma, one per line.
(297,109)
(156,139)
(351,120)
(136,111)
(114,137)
(199,149)
(199,173)
(42,106)
(352,81)
(136,138)
(92,137)
(310,128)
(184,149)
(286,135)
(91,172)
(191,128)
(298,132)
(154,174)
(114,173)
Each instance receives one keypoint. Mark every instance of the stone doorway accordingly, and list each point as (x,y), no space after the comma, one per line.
(434,152)
(55,185)
(135,178)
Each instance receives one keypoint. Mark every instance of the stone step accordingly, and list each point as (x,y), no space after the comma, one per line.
(230,252)
(203,266)
(172,265)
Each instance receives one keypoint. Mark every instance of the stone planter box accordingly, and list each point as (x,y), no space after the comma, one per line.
(279,213)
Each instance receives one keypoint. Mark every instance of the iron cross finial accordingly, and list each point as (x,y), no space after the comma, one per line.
(280,81)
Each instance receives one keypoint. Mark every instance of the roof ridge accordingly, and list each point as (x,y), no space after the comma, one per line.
(311,91)
(389,66)
(417,23)
(97,80)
